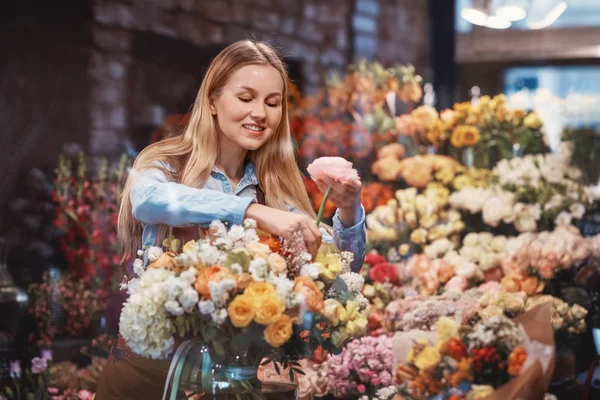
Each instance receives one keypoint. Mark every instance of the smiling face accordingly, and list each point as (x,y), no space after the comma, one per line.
(248,109)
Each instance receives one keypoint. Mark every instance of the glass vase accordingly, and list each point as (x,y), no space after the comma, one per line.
(196,370)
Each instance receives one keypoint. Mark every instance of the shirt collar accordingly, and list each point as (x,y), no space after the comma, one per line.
(249,174)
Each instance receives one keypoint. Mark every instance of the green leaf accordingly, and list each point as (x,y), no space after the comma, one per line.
(240,258)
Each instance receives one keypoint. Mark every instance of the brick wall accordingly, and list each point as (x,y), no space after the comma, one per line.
(319,36)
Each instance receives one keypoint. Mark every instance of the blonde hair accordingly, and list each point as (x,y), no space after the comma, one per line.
(193,154)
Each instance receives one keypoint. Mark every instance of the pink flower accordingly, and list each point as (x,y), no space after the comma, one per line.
(457,284)
(335,168)
(546,271)
(361,388)
(52,390)
(85,395)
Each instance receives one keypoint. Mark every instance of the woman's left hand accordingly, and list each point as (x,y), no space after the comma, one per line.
(345,196)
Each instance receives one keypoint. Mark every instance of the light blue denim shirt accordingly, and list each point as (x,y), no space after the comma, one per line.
(155,200)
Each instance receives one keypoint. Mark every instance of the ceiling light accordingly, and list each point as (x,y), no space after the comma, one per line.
(549,18)
(477,13)
(497,23)
(511,13)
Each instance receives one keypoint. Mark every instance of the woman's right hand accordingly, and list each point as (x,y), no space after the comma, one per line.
(285,223)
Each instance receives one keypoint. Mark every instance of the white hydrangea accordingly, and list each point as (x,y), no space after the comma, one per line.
(283,287)
(354,281)
(206,307)
(236,269)
(249,223)
(188,299)
(153,253)
(209,255)
(258,269)
(173,307)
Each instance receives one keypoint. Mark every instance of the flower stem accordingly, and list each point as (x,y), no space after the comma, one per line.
(322,208)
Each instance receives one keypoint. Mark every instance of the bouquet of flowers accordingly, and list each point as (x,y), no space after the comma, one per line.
(489,127)
(248,297)
(533,193)
(458,362)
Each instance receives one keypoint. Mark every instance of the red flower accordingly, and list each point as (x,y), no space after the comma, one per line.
(383,272)
(485,358)
(456,349)
(373,259)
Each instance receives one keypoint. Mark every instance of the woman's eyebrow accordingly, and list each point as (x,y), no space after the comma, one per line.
(254,92)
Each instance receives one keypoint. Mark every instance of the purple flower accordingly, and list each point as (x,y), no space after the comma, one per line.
(15,369)
(47,354)
(39,365)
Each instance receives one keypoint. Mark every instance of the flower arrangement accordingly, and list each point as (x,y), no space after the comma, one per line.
(363,369)
(465,363)
(532,193)
(487,125)
(87,207)
(65,306)
(417,171)
(424,217)
(44,380)
(246,298)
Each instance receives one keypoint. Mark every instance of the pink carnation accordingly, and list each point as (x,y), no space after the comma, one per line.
(457,284)
(335,168)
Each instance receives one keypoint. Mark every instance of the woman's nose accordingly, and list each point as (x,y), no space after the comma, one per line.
(258,111)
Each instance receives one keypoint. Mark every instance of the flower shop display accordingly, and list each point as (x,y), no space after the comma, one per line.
(494,359)
(87,206)
(491,129)
(532,193)
(247,299)
(424,218)
(585,143)
(416,171)
(65,306)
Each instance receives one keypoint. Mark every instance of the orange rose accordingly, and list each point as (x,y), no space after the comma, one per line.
(516,359)
(312,295)
(279,332)
(259,290)
(212,274)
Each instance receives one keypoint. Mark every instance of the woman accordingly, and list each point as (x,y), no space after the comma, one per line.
(235,160)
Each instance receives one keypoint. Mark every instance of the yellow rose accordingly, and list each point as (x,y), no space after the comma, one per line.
(277,263)
(279,332)
(446,328)
(456,139)
(259,290)
(480,392)
(189,246)
(331,266)
(427,358)
(269,310)
(532,121)
(332,309)
(313,297)
(241,311)
(358,326)
(470,136)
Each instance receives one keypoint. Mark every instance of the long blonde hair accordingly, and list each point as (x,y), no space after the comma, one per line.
(193,154)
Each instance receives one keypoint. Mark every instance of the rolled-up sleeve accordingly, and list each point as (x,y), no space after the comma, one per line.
(155,200)
(352,239)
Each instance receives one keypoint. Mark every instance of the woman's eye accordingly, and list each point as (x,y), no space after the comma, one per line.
(273,105)
(245,100)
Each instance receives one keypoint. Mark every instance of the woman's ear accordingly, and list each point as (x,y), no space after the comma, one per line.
(213,109)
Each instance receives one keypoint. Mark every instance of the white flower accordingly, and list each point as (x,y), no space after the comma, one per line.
(386,393)
(438,248)
(209,255)
(258,269)
(138,267)
(236,269)
(563,218)
(206,307)
(255,248)
(173,307)
(311,270)
(153,253)
(277,263)
(525,224)
(218,228)
(498,243)
(283,287)
(354,281)
(466,270)
(140,253)
(189,276)
(219,316)
(219,291)
(188,299)
(577,210)
(249,223)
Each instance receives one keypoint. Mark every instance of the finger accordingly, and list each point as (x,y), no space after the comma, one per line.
(309,240)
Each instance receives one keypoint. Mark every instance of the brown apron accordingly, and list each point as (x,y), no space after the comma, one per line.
(128,376)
